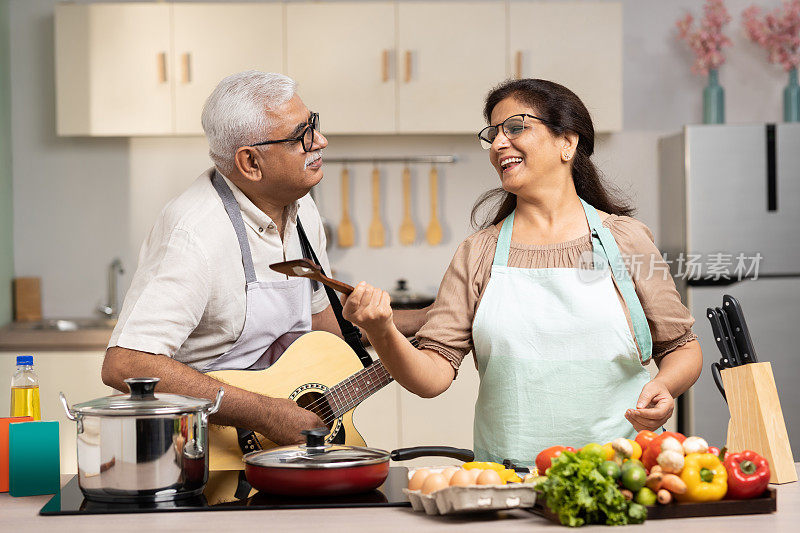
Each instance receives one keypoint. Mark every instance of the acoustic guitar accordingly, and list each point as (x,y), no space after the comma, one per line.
(321,373)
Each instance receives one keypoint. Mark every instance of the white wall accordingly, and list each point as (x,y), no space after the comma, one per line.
(80,202)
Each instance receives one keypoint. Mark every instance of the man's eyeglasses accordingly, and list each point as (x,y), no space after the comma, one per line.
(306,136)
(513,127)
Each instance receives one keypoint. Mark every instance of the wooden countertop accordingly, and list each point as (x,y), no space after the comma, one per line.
(21,514)
(14,338)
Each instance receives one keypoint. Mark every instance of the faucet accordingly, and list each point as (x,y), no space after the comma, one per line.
(109,309)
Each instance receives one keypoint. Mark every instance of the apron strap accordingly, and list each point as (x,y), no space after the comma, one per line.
(604,245)
(504,242)
(235,214)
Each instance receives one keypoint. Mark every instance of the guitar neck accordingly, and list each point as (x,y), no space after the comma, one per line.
(357,388)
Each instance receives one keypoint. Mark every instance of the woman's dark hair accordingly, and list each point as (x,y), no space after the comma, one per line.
(562,110)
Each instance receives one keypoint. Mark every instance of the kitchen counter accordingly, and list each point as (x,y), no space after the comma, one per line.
(21,514)
(14,338)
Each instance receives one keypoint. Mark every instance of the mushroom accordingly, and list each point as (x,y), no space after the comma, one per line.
(622,449)
(671,461)
(695,445)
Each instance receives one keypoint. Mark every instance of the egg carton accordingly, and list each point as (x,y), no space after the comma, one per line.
(473,498)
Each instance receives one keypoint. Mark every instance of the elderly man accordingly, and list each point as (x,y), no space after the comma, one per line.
(203,297)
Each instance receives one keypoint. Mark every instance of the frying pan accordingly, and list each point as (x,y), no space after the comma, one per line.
(319,469)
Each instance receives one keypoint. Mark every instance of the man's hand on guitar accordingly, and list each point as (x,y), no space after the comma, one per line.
(287,420)
(369,308)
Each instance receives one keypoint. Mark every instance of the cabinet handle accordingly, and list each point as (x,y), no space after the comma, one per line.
(187,67)
(162,67)
(518,66)
(408,66)
(385,66)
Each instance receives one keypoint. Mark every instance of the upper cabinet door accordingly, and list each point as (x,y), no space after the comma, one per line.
(208,47)
(112,69)
(450,55)
(577,44)
(342,56)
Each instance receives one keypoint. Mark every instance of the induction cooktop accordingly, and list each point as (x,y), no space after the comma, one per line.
(228,490)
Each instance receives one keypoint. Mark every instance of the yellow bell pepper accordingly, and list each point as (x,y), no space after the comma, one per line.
(705,477)
(637,450)
(509,476)
(608,451)
(483,465)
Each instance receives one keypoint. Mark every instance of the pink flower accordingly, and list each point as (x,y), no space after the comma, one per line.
(708,40)
(778,32)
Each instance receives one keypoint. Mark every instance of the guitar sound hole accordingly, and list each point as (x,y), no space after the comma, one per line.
(314,402)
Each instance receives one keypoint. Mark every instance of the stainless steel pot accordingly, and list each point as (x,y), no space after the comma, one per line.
(143,446)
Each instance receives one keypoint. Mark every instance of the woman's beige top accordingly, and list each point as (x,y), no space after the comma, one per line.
(448,329)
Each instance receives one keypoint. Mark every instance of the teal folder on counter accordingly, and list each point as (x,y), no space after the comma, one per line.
(34,467)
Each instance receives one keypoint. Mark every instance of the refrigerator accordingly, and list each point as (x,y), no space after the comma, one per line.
(729,223)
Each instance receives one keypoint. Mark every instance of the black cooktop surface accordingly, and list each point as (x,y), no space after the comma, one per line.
(228,490)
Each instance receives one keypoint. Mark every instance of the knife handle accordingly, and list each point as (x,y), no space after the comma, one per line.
(719,337)
(736,358)
(715,373)
(740,332)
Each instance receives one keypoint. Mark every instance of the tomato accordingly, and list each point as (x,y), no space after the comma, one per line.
(634,478)
(650,455)
(546,456)
(645,437)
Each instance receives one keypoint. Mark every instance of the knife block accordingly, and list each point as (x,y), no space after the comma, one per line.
(757,419)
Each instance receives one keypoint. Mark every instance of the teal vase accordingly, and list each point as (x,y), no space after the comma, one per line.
(713,100)
(791,98)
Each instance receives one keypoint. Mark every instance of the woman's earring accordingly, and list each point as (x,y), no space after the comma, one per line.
(566,156)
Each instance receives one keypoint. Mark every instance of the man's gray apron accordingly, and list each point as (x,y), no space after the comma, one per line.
(278,312)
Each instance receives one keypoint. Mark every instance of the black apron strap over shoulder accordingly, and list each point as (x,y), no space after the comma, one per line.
(351,334)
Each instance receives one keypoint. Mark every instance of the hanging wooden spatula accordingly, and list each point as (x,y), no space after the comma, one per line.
(408,233)
(346,232)
(303,268)
(434,233)
(376,231)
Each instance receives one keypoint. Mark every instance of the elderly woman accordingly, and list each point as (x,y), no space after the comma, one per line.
(559,326)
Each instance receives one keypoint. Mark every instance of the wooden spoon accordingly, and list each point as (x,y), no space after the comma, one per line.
(346,231)
(376,230)
(434,233)
(408,233)
(303,268)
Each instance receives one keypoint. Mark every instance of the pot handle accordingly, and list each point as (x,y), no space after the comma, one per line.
(404,454)
(217,403)
(70,412)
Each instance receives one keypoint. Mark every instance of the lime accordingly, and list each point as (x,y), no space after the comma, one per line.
(631,463)
(610,469)
(592,450)
(634,477)
(645,496)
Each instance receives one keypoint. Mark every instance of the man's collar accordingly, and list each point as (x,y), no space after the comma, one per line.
(252,215)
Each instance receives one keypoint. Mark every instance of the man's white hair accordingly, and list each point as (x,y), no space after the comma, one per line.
(234,114)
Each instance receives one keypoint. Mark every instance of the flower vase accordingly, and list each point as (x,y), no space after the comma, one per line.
(713,100)
(791,98)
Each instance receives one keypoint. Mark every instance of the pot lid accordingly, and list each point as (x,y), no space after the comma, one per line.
(402,294)
(141,401)
(315,454)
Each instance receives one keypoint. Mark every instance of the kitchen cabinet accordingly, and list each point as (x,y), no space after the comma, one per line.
(206,49)
(147,69)
(112,69)
(577,44)
(450,56)
(341,55)
(76,374)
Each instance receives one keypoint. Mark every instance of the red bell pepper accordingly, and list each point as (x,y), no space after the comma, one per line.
(650,454)
(748,475)
(546,456)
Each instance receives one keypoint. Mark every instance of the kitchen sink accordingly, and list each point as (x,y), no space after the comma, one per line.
(65,324)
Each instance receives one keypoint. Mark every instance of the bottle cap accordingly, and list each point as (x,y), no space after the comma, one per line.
(25,360)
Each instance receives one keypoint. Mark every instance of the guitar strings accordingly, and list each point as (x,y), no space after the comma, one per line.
(362,377)
(340,392)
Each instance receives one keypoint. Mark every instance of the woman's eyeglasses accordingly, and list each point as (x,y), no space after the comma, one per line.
(513,127)
(306,137)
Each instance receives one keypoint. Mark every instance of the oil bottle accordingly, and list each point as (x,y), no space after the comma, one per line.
(25,389)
